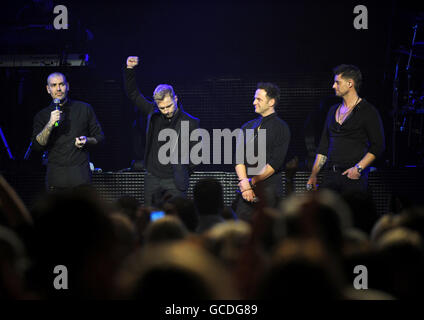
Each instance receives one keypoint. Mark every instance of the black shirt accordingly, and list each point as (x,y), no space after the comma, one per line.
(156,121)
(78,119)
(277,139)
(361,132)
(153,165)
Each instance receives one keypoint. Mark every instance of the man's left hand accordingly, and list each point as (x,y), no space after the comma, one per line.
(80,141)
(352,173)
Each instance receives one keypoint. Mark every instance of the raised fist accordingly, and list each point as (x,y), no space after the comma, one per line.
(132,61)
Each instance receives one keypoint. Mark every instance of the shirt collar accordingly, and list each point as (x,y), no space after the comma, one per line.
(67,102)
(270,116)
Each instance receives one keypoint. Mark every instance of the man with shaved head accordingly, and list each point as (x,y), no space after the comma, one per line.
(65,129)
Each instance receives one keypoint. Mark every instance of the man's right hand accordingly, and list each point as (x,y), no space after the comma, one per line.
(248,195)
(244,185)
(313,182)
(132,61)
(54,117)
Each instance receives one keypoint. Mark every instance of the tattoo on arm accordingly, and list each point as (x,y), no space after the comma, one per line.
(44,135)
(322,161)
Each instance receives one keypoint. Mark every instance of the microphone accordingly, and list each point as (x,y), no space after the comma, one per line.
(56,105)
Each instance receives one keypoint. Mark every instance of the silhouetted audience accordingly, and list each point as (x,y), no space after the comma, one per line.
(73,244)
(322,214)
(13,266)
(185,210)
(129,206)
(301,270)
(226,241)
(400,266)
(175,271)
(74,231)
(125,233)
(166,229)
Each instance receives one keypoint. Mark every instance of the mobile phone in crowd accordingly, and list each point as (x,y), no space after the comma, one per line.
(154,215)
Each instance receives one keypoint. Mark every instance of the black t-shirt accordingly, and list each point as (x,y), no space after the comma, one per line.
(361,132)
(64,159)
(277,140)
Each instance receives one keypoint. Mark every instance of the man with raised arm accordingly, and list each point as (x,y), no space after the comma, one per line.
(163,113)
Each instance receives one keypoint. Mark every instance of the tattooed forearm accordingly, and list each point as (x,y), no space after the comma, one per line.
(322,161)
(44,135)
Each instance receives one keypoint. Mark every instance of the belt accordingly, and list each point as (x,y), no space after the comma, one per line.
(337,168)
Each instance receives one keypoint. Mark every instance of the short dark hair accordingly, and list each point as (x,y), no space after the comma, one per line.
(348,71)
(272,91)
(56,74)
(162,91)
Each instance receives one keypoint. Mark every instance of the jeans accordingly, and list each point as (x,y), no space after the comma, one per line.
(334,180)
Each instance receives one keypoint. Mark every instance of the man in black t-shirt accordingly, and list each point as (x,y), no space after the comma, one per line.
(352,138)
(65,129)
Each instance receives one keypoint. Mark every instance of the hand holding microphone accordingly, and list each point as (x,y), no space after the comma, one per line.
(55,116)
(56,103)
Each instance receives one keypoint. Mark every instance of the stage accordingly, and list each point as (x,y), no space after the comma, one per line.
(388,187)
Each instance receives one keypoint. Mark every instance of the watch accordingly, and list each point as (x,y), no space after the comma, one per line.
(359,168)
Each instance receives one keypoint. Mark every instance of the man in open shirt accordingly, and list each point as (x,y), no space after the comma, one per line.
(352,138)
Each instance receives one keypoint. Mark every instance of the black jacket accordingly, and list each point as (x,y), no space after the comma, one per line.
(181,172)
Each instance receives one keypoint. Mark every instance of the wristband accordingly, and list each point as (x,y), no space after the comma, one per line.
(250,182)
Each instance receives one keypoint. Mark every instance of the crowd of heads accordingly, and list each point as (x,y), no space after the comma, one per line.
(306,248)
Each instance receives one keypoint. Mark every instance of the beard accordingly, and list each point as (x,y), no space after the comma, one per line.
(340,93)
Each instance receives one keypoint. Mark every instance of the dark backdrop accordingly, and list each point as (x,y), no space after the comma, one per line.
(213,53)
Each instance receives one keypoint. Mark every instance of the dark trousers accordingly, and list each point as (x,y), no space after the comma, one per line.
(354,192)
(153,186)
(53,189)
(272,191)
(334,180)
(60,178)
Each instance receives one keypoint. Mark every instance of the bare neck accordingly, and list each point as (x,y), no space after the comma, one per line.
(350,99)
(63,102)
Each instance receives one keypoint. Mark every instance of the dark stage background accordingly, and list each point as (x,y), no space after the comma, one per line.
(213,53)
